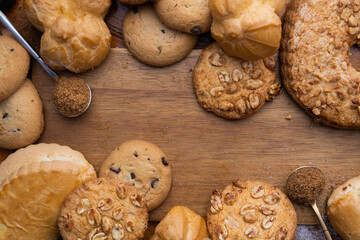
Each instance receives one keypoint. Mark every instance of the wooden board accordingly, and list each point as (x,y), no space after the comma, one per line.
(134,101)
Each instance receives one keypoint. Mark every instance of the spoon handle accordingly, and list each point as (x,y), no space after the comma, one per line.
(6,22)
(323,226)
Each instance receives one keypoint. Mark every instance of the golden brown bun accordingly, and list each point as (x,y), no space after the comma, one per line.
(75,35)
(248,29)
(181,223)
(34,182)
(344,209)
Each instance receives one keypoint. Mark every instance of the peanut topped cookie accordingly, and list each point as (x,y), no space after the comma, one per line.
(143,165)
(251,210)
(315,48)
(185,16)
(104,208)
(232,87)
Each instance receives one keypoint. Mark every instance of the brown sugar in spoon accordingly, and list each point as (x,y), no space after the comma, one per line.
(71,96)
(304,186)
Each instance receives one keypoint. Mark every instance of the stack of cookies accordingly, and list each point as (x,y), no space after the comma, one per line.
(21,110)
(166,32)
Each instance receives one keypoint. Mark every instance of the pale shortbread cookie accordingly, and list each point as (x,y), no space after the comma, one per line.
(251,210)
(232,87)
(188,16)
(21,117)
(151,42)
(317,36)
(14,65)
(143,165)
(104,208)
(34,182)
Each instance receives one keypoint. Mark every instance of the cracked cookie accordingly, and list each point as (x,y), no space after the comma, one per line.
(151,42)
(316,68)
(21,117)
(14,65)
(251,210)
(231,87)
(143,165)
(188,16)
(104,208)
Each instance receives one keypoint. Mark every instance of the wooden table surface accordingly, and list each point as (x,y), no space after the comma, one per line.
(114,21)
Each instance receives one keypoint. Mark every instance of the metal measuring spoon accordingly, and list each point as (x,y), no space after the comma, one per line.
(6,22)
(313,204)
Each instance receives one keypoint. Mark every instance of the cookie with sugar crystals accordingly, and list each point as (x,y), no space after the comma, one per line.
(151,42)
(143,165)
(103,208)
(188,16)
(14,65)
(251,210)
(231,87)
(21,117)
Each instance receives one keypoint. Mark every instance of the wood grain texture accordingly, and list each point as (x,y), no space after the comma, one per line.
(134,101)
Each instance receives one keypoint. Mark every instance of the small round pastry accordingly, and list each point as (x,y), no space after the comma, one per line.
(133,2)
(143,165)
(34,182)
(181,223)
(14,62)
(187,16)
(251,210)
(21,117)
(343,209)
(103,208)
(75,37)
(248,29)
(315,61)
(151,42)
(232,87)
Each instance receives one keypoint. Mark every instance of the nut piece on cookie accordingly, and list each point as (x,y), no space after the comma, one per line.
(143,165)
(187,16)
(75,35)
(107,214)
(231,87)
(151,42)
(249,216)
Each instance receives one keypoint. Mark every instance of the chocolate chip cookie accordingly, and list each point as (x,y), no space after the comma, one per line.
(188,16)
(251,210)
(14,65)
(231,87)
(143,165)
(104,208)
(21,117)
(151,42)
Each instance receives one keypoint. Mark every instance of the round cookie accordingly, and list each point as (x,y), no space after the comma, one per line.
(151,42)
(232,87)
(143,165)
(315,64)
(14,64)
(251,210)
(185,16)
(21,117)
(103,208)
(133,2)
